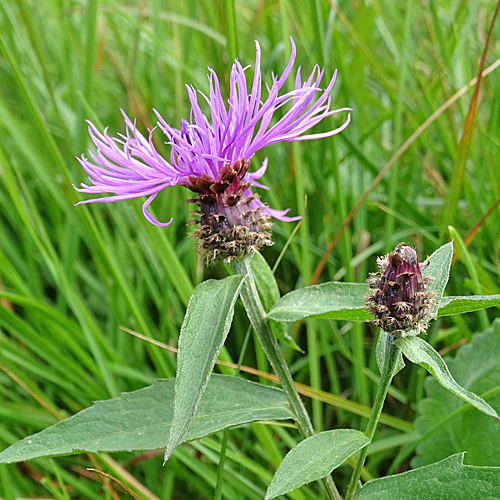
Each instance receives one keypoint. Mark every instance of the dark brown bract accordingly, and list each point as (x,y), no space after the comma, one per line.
(399,298)
(231,225)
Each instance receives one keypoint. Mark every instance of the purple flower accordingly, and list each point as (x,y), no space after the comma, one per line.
(128,166)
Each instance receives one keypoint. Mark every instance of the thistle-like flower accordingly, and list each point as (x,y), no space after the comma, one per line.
(399,298)
(211,156)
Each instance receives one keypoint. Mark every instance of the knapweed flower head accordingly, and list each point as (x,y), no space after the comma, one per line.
(211,153)
(399,297)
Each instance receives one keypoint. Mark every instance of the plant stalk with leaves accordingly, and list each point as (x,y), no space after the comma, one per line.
(391,357)
(401,305)
(401,299)
(257,315)
(196,404)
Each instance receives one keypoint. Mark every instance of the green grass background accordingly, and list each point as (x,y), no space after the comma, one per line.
(71,276)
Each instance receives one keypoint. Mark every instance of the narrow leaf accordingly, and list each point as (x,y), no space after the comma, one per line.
(467,303)
(265,281)
(140,420)
(269,294)
(206,324)
(330,300)
(420,352)
(445,480)
(314,458)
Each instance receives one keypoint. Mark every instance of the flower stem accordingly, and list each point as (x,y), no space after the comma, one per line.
(392,352)
(253,306)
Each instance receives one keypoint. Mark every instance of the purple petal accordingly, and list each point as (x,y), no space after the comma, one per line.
(149,217)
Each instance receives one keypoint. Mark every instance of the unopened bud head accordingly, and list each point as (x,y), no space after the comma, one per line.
(399,297)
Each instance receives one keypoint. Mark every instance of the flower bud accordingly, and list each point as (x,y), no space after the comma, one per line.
(231,224)
(399,298)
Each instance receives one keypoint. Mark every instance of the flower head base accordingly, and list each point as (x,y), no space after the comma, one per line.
(229,227)
(399,298)
(209,149)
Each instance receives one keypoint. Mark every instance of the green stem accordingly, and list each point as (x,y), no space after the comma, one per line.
(257,315)
(392,352)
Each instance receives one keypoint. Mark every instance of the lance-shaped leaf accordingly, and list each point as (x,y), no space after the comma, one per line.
(420,352)
(467,303)
(269,294)
(314,458)
(140,420)
(329,301)
(449,479)
(265,281)
(206,324)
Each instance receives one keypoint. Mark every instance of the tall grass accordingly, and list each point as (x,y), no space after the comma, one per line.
(71,276)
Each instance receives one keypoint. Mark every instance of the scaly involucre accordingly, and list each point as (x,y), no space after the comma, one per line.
(399,298)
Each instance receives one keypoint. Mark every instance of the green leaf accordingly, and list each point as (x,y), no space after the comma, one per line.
(476,367)
(380,352)
(140,420)
(420,352)
(265,281)
(206,324)
(314,458)
(467,303)
(269,293)
(330,300)
(439,269)
(449,479)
